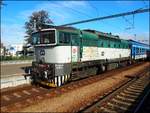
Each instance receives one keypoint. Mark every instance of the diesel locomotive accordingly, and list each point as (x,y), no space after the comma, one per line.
(66,53)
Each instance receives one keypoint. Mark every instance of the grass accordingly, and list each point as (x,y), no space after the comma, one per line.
(11,58)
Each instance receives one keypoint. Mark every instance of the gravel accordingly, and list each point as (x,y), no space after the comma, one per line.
(73,100)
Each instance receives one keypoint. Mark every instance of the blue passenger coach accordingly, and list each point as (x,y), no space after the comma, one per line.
(138,50)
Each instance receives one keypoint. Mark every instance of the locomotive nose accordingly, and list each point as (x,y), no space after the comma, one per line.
(42,60)
(42,56)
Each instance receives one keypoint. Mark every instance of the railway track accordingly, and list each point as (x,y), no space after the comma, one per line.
(144,106)
(14,100)
(125,98)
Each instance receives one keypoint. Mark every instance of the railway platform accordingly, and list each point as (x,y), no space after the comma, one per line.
(12,74)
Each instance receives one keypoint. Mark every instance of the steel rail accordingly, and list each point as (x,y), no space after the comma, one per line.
(112,93)
(142,102)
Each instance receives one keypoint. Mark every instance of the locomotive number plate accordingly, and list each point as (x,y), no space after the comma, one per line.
(42,52)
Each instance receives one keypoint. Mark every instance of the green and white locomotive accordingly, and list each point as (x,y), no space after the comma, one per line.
(65,53)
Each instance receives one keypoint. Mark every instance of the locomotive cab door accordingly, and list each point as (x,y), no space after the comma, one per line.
(75,49)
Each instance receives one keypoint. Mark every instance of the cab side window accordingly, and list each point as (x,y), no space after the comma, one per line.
(64,38)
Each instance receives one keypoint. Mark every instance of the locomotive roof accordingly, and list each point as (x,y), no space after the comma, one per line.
(73,28)
(98,34)
(48,27)
(58,27)
(109,35)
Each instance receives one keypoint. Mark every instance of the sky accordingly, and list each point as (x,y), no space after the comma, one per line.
(15,13)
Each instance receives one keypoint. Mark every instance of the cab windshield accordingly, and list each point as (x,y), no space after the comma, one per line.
(43,37)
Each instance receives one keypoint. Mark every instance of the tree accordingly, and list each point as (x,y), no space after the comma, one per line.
(37,18)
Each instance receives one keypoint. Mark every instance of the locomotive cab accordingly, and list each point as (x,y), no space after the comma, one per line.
(42,41)
(44,37)
(50,63)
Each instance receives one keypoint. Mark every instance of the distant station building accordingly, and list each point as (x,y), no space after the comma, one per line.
(2,47)
(14,49)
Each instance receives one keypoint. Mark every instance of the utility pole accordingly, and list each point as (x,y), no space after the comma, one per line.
(2,4)
(109,16)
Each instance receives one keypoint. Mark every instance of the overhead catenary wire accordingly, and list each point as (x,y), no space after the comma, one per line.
(145,3)
(86,14)
(77,11)
(93,8)
(98,14)
(109,16)
(128,21)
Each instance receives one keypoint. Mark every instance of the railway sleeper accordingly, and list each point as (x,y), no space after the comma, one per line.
(121,102)
(128,95)
(134,90)
(139,81)
(131,92)
(124,108)
(138,84)
(119,108)
(5,97)
(116,106)
(106,110)
(125,98)
(137,88)
(17,95)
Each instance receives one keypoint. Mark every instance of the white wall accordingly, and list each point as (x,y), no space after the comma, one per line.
(62,54)
(95,53)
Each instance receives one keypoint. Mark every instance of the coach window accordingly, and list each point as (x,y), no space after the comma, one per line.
(127,46)
(141,50)
(108,44)
(74,39)
(66,38)
(137,50)
(102,44)
(144,50)
(61,37)
(114,45)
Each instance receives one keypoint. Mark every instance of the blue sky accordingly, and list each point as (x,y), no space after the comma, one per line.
(15,13)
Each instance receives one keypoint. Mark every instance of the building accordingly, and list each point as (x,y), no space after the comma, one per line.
(14,49)
(2,47)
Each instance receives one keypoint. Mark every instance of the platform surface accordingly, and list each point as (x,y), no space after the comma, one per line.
(13,74)
(13,69)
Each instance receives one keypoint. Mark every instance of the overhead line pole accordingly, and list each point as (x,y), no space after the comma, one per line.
(110,16)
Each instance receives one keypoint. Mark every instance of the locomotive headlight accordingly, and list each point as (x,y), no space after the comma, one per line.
(42,59)
(29,71)
(45,72)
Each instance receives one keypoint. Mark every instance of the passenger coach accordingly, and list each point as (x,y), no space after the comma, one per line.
(138,50)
